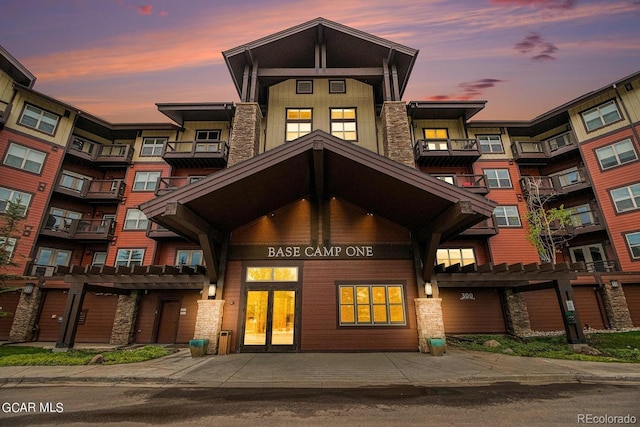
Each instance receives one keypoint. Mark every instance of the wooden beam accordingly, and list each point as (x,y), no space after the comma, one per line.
(385,80)
(224,253)
(245,84)
(254,82)
(417,265)
(394,82)
(370,72)
(71,317)
(209,255)
(570,318)
(183,219)
(451,218)
(428,265)
(318,169)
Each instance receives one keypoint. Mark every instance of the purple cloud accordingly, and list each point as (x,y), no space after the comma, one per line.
(543,4)
(534,43)
(469,90)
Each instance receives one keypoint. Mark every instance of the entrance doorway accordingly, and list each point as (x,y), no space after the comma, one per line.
(168,318)
(270,319)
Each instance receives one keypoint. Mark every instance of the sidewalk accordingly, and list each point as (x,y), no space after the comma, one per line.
(328,370)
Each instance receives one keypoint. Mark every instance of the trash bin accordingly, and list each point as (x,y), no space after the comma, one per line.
(198,347)
(436,346)
(224,345)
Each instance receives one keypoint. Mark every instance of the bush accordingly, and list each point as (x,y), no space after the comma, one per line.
(34,356)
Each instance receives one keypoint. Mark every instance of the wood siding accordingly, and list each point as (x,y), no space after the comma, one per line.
(359,95)
(545,314)
(63,129)
(352,224)
(100,312)
(149,312)
(632,294)
(289,224)
(482,314)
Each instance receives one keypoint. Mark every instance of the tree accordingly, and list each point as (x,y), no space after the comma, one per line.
(9,223)
(549,228)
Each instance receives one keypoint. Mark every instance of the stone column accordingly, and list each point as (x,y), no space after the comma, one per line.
(209,322)
(516,313)
(245,136)
(615,304)
(25,317)
(124,323)
(430,322)
(396,135)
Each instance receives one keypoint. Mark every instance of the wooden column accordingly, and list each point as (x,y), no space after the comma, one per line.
(71,316)
(570,318)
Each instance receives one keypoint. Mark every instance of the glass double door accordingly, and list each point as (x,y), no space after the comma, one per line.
(270,319)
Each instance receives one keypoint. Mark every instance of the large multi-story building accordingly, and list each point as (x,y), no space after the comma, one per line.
(319,213)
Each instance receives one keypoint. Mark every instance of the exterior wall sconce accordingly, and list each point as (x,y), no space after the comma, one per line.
(615,283)
(211,293)
(519,197)
(28,288)
(428,289)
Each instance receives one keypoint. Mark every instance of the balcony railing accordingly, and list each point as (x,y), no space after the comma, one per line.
(473,183)
(196,154)
(488,227)
(91,189)
(542,151)
(560,184)
(454,152)
(80,229)
(584,221)
(604,266)
(170,183)
(105,155)
(157,232)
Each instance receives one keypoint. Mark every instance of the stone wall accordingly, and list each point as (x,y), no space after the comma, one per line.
(24,319)
(125,319)
(245,135)
(616,307)
(209,322)
(430,321)
(516,313)
(396,135)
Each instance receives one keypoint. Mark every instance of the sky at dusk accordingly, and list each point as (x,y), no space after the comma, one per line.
(117,58)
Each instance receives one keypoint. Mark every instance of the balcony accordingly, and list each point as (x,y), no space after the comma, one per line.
(583,220)
(543,152)
(196,154)
(111,155)
(446,152)
(170,183)
(604,266)
(474,183)
(486,228)
(5,110)
(93,230)
(561,184)
(158,232)
(91,190)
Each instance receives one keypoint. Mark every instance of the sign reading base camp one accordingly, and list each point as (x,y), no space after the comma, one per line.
(379,251)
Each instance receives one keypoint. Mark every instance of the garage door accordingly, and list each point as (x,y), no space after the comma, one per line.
(472,310)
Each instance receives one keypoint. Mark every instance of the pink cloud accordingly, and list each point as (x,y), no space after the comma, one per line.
(469,90)
(543,4)
(145,10)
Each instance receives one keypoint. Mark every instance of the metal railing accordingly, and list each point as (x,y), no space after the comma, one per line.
(82,229)
(102,153)
(559,184)
(91,188)
(544,149)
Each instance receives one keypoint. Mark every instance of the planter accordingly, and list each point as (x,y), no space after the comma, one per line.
(198,347)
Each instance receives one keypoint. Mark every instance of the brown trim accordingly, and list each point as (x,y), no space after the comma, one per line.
(24,107)
(26,211)
(355,120)
(133,183)
(293,253)
(166,139)
(626,244)
(615,100)
(498,188)
(6,153)
(287,121)
(477,138)
(389,282)
(613,203)
(510,226)
(597,159)
(298,81)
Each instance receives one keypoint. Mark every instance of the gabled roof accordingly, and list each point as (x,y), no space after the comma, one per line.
(295,48)
(209,111)
(319,165)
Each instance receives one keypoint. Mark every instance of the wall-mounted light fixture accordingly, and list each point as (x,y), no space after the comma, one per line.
(212,291)
(428,289)
(614,283)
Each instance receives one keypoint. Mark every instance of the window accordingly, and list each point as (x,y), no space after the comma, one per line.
(39,119)
(7,246)
(337,86)
(61,219)
(343,123)
(582,216)
(189,257)
(129,257)
(299,122)
(490,143)
(272,274)
(145,181)
(53,257)
(570,177)
(435,133)
(633,241)
(304,86)
(135,220)
(592,255)
(208,135)
(152,146)
(24,158)
(507,216)
(559,141)
(462,256)
(8,195)
(626,198)
(449,179)
(99,259)
(616,154)
(73,181)
(371,305)
(601,116)
(498,178)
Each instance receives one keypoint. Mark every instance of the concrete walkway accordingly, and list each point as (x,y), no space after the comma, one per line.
(328,370)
